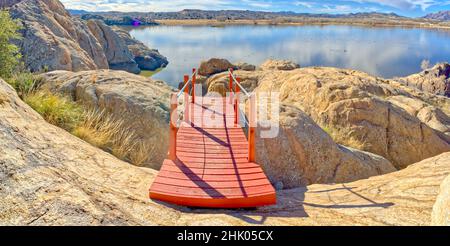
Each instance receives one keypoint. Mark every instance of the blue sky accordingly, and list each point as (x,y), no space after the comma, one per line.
(403,7)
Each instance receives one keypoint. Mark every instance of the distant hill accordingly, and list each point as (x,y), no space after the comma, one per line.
(126,18)
(77,12)
(442,16)
(188,14)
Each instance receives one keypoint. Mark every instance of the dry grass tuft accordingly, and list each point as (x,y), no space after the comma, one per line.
(98,128)
(55,109)
(343,139)
(111,134)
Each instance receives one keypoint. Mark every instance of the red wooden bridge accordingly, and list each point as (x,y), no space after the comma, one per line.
(210,162)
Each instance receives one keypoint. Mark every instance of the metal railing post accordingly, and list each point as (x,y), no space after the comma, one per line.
(194,80)
(173,127)
(236,103)
(186,99)
(252,129)
(230,84)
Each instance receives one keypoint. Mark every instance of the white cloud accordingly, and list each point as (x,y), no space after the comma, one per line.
(143,5)
(339,6)
(406,4)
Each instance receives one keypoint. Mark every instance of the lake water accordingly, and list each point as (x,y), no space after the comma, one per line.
(384,52)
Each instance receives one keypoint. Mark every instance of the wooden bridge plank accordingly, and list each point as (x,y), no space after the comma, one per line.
(212,169)
(215,184)
(214,192)
(212,177)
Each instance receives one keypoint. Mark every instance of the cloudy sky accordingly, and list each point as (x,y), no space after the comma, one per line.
(403,7)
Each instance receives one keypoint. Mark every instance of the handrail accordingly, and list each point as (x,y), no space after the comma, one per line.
(186,84)
(252,115)
(239,84)
(248,95)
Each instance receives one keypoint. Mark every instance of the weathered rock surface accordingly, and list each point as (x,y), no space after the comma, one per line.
(402,124)
(434,80)
(220,83)
(117,53)
(304,154)
(8,3)
(49,177)
(441,209)
(213,66)
(279,65)
(53,40)
(245,66)
(140,102)
(146,58)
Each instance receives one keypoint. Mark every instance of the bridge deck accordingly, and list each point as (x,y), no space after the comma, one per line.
(212,167)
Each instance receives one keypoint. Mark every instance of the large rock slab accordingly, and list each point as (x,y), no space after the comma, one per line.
(434,80)
(49,177)
(279,65)
(213,66)
(141,103)
(116,50)
(53,40)
(304,154)
(146,58)
(372,114)
(441,209)
(220,83)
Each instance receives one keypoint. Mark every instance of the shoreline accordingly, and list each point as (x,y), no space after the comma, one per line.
(311,22)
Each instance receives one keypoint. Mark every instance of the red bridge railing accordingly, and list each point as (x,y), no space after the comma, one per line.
(235,89)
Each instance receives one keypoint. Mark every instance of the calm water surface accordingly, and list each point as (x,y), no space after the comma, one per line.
(385,52)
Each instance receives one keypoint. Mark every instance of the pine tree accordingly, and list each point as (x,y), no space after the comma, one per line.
(9,53)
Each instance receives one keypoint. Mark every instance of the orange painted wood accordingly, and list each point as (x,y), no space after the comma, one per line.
(194,80)
(173,129)
(211,177)
(212,167)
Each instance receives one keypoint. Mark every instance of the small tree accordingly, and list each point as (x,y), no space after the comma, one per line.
(9,53)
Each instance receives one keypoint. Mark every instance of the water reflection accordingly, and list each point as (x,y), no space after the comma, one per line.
(385,52)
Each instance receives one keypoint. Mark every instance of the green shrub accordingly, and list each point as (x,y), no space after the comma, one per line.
(55,109)
(25,83)
(9,53)
(98,128)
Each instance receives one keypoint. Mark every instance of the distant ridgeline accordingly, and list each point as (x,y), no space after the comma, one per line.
(442,16)
(124,19)
(139,18)
(129,18)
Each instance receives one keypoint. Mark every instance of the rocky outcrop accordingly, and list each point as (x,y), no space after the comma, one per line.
(53,40)
(213,66)
(384,117)
(49,177)
(220,83)
(304,154)
(141,103)
(434,80)
(245,66)
(441,209)
(284,65)
(146,58)
(364,111)
(117,53)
